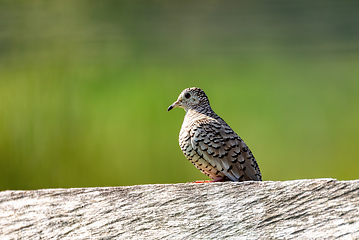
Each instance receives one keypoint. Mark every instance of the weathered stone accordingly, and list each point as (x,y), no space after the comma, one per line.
(301,209)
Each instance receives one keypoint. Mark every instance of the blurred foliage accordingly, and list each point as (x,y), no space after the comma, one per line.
(84,87)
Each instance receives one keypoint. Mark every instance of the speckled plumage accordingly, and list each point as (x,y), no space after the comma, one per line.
(210,144)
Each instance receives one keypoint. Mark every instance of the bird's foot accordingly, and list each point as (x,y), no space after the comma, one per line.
(202,181)
(219,179)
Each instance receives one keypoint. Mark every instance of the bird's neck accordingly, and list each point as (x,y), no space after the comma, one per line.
(193,116)
(198,112)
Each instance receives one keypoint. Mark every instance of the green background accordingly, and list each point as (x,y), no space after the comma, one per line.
(84,88)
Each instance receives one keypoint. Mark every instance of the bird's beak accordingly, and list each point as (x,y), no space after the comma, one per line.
(173,105)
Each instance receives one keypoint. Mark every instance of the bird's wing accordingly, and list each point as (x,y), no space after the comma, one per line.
(221,147)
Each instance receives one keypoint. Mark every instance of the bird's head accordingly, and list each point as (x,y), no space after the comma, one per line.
(191,98)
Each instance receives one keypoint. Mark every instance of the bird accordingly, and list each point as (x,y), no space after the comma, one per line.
(209,143)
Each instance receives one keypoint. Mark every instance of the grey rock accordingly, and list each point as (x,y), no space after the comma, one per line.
(300,209)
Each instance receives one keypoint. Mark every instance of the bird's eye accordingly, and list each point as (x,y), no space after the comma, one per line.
(187,95)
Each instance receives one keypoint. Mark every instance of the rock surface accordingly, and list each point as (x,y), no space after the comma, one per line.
(300,209)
